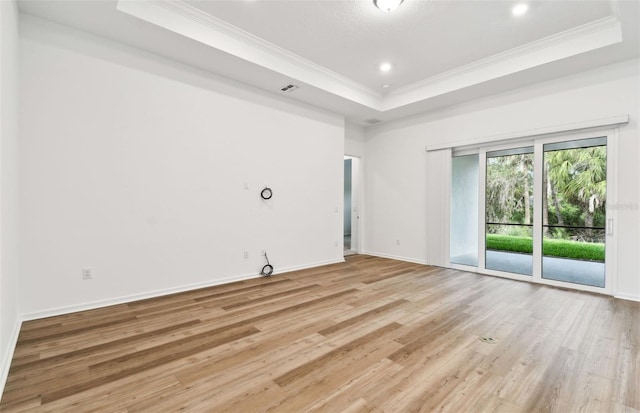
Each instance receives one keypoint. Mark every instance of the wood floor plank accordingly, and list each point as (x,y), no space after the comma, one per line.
(35,336)
(361,318)
(58,360)
(367,335)
(341,365)
(123,366)
(335,355)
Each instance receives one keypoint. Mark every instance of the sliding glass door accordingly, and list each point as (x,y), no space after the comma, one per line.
(509,211)
(574,214)
(535,210)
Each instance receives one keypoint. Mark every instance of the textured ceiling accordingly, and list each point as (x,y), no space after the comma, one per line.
(420,38)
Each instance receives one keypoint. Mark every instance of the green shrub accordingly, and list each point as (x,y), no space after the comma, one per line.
(590,251)
(509,243)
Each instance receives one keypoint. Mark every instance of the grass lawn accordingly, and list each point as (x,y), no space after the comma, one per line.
(551,247)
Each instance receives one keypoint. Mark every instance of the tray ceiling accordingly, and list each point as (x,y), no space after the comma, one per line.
(441,52)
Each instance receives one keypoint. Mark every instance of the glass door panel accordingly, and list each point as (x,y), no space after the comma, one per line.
(573,211)
(509,211)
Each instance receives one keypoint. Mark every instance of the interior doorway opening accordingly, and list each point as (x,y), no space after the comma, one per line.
(351,213)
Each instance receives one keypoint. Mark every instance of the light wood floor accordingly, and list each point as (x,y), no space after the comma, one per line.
(369,335)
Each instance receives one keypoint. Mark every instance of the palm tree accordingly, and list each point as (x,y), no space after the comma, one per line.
(580,177)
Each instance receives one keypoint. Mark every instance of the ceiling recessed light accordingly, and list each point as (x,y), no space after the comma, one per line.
(386,86)
(385,67)
(519,9)
(387,5)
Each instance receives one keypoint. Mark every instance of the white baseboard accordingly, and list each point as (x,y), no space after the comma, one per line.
(630,297)
(395,257)
(8,356)
(307,266)
(134,297)
(152,294)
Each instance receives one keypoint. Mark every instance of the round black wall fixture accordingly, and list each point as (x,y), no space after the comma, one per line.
(267,270)
(266,193)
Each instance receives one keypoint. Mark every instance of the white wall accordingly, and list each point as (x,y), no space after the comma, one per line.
(396,178)
(8,183)
(135,166)
(354,140)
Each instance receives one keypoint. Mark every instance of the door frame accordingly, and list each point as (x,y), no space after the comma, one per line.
(356,203)
(611,212)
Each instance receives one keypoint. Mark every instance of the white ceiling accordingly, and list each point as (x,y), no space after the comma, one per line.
(442,52)
(421,38)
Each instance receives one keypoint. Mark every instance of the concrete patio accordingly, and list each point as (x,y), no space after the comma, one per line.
(559,269)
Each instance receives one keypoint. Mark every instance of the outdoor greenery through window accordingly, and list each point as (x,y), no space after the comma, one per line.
(509,210)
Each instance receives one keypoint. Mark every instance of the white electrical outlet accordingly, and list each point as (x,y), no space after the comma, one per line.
(87,273)
(246,254)
(397,242)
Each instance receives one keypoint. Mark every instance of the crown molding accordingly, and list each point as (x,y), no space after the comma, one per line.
(581,39)
(191,22)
